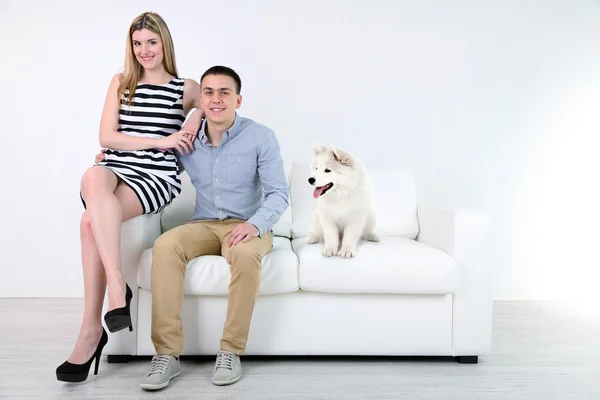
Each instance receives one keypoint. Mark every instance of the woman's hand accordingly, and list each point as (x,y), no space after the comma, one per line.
(100,156)
(181,141)
(189,133)
(194,122)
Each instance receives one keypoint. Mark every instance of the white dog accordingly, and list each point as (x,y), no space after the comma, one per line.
(344,202)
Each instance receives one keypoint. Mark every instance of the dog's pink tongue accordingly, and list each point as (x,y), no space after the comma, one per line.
(318,191)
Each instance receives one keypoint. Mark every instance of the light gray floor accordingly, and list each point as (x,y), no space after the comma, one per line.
(540,351)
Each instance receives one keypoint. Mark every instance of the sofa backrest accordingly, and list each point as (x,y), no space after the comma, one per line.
(181,210)
(394,197)
(393,191)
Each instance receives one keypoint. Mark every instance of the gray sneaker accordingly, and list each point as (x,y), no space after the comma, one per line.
(163,368)
(228,368)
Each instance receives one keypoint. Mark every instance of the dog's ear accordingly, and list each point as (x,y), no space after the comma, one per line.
(318,147)
(340,156)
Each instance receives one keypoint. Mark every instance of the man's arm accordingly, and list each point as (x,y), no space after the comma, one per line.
(276,188)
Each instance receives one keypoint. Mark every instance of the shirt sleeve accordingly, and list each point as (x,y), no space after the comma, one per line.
(275,186)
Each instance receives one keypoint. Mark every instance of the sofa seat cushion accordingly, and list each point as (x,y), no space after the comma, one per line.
(210,275)
(393,265)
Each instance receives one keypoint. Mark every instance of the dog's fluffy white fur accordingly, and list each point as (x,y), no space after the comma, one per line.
(344,210)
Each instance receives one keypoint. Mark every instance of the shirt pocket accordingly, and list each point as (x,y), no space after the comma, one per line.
(241,168)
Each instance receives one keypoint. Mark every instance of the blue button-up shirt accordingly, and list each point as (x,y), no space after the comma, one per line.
(242,178)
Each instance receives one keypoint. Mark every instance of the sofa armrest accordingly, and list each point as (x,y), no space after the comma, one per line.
(137,235)
(467,236)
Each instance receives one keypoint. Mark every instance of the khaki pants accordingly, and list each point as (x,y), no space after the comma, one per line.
(170,255)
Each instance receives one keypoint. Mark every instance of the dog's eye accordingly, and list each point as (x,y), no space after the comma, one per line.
(327,170)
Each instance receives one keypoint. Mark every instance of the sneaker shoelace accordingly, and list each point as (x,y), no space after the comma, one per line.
(225,360)
(159,364)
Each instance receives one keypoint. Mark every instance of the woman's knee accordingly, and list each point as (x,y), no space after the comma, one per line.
(86,224)
(97,180)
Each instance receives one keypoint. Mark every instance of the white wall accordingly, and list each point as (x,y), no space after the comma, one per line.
(496,105)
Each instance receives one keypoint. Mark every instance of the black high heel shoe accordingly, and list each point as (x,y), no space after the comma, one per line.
(120,318)
(68,372)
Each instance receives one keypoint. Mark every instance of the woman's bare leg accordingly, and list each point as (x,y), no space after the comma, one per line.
(94,277)
(106,215)
(94,286)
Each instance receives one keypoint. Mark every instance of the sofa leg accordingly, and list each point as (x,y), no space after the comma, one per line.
(118,358)
(467,359)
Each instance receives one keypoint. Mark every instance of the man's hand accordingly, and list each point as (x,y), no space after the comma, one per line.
(242,232)
(100,156)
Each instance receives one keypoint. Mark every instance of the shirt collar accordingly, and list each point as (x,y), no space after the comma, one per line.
(230,133)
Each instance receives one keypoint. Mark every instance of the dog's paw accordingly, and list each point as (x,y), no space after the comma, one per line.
(312,239)
(347,252)
(329,251)
(372,237)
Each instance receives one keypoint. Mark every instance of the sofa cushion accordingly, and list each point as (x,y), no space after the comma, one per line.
(394,196)
(393,265)
(210,275)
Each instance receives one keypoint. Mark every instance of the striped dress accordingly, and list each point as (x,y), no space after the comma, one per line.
(156,112)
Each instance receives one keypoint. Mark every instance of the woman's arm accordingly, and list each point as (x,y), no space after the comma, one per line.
(109,123)
(191,100)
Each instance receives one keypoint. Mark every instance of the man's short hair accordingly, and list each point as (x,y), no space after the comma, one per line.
(221,70)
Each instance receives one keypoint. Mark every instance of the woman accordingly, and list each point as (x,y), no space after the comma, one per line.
(141,127)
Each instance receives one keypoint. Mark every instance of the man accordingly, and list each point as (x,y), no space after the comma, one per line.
(241,192)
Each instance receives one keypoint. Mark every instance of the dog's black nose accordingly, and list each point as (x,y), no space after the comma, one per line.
(311,180)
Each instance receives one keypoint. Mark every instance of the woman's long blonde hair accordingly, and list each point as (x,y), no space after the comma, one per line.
(133,69)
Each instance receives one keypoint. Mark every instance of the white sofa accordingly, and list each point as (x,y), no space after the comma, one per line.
(423,290)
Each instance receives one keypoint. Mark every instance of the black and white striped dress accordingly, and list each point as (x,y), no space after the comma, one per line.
(156,112)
